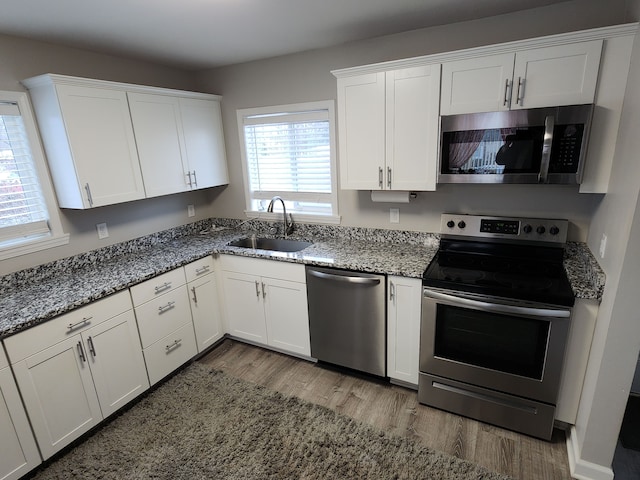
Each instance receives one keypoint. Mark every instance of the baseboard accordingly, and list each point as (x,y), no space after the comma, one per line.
(582,469)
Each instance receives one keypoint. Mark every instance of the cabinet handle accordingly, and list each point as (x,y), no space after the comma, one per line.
(188,175)
(202,269)
(195,298)
(164,308)
(392,291)
(82,323)
(388,177)
(173,345)
(506,92)
(162,287)
(92,348)
(81,352)
(520,89)
(380,176)
(89,197)
(257,289)
(264,291)
(195,179)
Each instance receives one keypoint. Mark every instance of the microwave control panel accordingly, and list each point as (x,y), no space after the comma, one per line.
(566,148)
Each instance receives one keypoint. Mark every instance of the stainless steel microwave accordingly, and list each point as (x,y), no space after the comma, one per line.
(540,145)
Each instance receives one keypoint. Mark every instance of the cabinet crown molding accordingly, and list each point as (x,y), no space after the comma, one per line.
(49,79)
(508,47)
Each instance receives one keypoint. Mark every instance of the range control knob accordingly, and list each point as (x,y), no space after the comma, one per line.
(527,228)
(541,229)
(554,230)
(461,224)
(451,224)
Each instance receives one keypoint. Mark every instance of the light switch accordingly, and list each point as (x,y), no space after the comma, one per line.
(394,215)
(603,245)
(102,230)
(191,211)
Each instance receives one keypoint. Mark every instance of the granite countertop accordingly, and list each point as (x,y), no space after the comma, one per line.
(26,302)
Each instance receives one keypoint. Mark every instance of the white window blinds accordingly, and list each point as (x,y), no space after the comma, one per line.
(23,212)
(290,154)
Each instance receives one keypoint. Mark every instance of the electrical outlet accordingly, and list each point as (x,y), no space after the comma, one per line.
(191,211)
(603,245)
(394,215)
(102,230)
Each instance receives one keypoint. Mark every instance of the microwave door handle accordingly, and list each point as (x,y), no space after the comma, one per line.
(549,124)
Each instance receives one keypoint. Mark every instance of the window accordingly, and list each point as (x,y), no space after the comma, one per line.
(26,197)
(289,151)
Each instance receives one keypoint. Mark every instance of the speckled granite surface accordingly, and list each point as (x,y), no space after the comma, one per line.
(35,295)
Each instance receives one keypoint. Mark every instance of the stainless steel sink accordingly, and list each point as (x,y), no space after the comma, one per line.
(275,244)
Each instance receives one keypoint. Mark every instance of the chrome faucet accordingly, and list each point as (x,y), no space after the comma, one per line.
(288,225)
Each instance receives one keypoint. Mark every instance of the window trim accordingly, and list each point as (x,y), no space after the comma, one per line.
(329,106)
(56,236)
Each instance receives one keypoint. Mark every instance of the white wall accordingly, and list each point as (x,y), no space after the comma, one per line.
(21,58)
(617,338)
(306,77)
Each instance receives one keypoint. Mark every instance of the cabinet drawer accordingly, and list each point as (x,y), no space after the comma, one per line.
(164,356)
(42,336)
(199,268)
(157,286)
(264,268)
(163,315)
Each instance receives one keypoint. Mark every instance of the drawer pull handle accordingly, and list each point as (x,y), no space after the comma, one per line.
(82,323)
(162,287)
(202,269)
(176,343)
(164,308)
(81,352)
(195,297)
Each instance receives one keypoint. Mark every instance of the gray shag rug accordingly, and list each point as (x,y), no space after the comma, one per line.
(204,424)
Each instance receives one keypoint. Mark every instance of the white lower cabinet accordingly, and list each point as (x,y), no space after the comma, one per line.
(164,322)
(203,297)
(18,450)
(583,323)
(266,303)
(403,328)
(90,366)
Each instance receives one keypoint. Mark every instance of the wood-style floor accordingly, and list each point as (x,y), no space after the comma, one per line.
(396,410)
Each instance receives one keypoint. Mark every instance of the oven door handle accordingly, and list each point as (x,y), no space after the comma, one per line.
(498,307)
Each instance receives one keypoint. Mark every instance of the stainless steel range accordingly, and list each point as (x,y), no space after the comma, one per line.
(495,318)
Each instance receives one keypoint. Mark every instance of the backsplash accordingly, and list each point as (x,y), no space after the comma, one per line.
(264,228)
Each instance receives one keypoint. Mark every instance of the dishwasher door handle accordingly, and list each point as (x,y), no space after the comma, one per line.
(346,279)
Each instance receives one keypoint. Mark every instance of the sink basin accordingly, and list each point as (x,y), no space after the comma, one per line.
(275,244)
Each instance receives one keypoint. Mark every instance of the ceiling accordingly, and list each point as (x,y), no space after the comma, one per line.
(199,34)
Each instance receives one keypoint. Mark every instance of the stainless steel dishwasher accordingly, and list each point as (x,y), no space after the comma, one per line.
(347,318)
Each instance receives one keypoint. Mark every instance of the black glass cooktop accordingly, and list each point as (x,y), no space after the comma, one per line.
(522,272)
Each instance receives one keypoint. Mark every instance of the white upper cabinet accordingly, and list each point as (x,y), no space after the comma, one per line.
(180,143)
(89,141)
(109,142)
(531,78)
(204,142)
(388,129)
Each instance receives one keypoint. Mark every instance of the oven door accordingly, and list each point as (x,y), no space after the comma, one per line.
(510,347)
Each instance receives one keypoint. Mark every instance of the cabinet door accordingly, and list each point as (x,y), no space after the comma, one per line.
(286,315)
(361,126)
(204,142)
(102,144)
(477,84)
(58,393)
(158,130)
(403,328)
(561,75)
(244,307)
(117,365)
(203,294)
(412,111)
(18,451)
